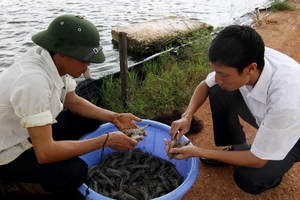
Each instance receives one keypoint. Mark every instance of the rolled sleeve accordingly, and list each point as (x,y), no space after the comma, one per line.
(70,84)
(39,119)
(35,104)
(210,79)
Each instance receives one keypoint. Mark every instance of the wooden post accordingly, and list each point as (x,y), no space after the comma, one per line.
(123,67)
(258,16)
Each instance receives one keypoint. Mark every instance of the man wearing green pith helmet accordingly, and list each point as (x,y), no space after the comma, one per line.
(42,118)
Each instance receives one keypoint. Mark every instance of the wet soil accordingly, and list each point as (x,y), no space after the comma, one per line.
(280,30)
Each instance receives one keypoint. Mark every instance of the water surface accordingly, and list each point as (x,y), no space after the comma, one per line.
(19,20)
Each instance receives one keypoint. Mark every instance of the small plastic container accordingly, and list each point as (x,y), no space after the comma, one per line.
(152,143)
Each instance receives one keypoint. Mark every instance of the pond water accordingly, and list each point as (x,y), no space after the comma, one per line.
(19,20)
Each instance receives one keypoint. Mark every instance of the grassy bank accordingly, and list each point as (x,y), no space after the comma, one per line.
(277,5)
(168,81)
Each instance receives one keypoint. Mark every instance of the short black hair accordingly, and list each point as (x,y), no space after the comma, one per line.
(237,46)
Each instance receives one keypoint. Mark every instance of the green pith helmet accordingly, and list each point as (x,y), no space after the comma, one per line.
(72,36)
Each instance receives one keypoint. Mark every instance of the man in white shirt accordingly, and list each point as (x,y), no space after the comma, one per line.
(261,86)
(42,118)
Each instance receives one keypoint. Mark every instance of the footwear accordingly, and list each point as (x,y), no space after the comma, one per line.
(216,163)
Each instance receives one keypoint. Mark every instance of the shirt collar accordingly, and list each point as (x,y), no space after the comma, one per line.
(260,90)
(52,70)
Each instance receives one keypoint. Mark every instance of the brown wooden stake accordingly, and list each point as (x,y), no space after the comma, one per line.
(123,67)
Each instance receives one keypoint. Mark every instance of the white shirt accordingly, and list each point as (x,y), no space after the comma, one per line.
(32,94)
(275,104)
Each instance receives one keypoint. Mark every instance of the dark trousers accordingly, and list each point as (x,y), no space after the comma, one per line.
(226,106)
(59,177)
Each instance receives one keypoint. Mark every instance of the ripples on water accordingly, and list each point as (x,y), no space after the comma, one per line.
(19,20)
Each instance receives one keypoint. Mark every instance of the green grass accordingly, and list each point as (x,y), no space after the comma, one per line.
(169,82)
(277,5)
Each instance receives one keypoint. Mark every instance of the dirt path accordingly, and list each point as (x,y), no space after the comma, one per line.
(281,31)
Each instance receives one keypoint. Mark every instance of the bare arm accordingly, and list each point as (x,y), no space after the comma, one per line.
(82,107)
(198,98)
(237,158)
(47,150)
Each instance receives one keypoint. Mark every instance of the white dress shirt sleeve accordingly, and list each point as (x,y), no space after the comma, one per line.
(30,98)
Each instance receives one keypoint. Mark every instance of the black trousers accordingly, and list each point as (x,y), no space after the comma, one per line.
(226,106)
(59,177)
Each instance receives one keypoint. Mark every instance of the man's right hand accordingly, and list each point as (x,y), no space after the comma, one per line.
(119,141)
(180,126)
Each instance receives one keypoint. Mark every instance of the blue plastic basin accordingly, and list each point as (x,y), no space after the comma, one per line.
(152,143)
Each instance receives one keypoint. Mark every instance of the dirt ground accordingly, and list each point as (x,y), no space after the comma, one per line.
(281,31)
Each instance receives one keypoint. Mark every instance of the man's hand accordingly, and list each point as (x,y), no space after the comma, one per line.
(181,153)
(180,127)
(125,121)
(119,141)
